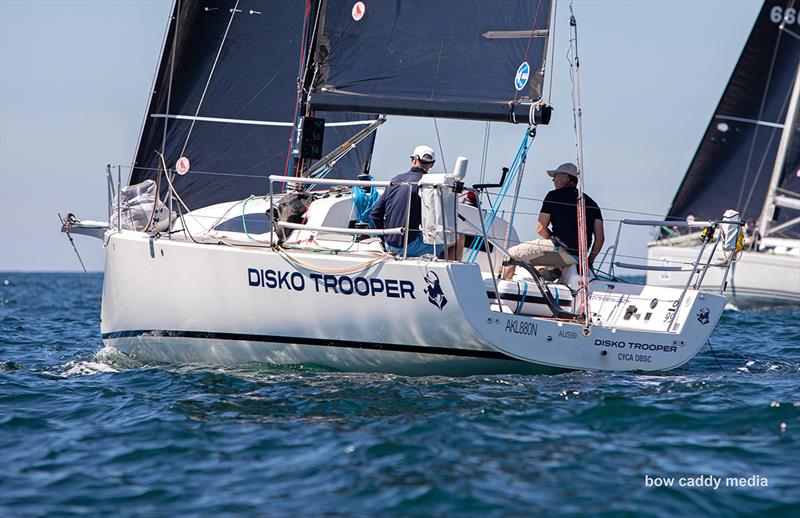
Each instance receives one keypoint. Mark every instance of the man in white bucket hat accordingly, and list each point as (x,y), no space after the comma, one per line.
(558,227)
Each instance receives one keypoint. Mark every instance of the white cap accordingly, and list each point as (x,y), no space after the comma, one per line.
(424,154)
(567,168)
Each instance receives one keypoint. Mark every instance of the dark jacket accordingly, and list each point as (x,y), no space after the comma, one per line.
(390,211)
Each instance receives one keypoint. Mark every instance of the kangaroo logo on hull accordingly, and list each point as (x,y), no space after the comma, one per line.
(702,316)
(434,290)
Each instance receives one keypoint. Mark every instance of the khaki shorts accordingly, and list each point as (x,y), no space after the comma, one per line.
(530,250)
(541,252)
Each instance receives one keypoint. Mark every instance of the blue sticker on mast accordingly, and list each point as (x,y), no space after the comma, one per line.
(521,79)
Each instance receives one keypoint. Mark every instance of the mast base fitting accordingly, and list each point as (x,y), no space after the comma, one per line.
(542,113)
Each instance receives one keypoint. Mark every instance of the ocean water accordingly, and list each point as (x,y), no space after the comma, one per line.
(87,431)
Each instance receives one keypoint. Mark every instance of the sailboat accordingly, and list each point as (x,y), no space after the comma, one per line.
(749,157)
(241,235)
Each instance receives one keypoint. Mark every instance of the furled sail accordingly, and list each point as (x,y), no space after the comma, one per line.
(225,97)
(734,162)
(469,59)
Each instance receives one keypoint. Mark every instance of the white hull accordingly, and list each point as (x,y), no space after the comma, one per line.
(756,279)
(180,302)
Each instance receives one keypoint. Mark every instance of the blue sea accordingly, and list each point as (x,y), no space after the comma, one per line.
(87,431)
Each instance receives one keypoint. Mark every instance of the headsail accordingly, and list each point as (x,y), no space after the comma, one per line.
(225,97)
(733,164)
(469,59)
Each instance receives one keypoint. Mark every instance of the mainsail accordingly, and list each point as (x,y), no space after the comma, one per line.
(225,97)
(734,162)
(470,59)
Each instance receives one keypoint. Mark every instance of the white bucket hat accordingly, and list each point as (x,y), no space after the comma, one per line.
(424,154)
(566,168)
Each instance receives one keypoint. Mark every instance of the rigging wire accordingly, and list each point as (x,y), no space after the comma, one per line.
(180,200)
(488,193)
(581,206)
(153,218)
(492,214)
(66,223)
(528,48)
(194,172)
(552,53)
(521,170)
(760,116)
(764,157)
(169,97)
(485,153)
(604,209)
(210,75)
(714,355)
(145,116)
(441,149)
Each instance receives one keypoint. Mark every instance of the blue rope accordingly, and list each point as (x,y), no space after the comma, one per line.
(363,204)
(492,214)
(516,166)
(521,302)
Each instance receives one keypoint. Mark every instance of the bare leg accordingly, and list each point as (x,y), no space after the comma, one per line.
(455,251)
(508,272)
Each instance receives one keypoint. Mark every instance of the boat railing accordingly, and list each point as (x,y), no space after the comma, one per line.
(700,265)
(404,230)
(610,250)
(114,195)
(339,230)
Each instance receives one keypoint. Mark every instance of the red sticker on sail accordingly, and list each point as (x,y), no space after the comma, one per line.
(358,11)
(182,165)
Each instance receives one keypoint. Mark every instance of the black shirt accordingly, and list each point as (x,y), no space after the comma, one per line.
(561,205)
(390,211)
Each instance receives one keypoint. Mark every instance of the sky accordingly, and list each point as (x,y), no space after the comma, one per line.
(75,78)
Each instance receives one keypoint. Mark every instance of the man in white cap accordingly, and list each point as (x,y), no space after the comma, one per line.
(390,210)
(559,211)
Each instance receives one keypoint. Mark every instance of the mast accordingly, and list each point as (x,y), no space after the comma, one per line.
(581,205)
(304,81)
(772,201)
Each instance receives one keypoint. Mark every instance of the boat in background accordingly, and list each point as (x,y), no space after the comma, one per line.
(263,262)
(749,159)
